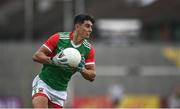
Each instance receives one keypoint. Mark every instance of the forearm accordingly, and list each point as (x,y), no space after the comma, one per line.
(41,58)
(88,74)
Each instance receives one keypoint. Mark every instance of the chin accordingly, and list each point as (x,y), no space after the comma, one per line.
(86,37)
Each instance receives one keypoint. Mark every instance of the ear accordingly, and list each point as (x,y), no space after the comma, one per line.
(76,26)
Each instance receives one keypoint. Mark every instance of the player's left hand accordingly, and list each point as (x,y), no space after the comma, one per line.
(81,65)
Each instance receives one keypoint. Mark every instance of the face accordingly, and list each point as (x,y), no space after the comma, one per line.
(85,29)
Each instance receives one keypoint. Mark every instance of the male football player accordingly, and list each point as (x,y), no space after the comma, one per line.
(49,86)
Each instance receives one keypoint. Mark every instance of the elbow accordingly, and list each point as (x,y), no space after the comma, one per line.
(89,75)
(34,57)
(92,77)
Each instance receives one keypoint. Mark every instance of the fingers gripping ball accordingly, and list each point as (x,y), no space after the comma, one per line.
(59,59)
(72,55)
(81,65)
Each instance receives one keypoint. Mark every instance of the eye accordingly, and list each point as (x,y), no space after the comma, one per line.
(88,26)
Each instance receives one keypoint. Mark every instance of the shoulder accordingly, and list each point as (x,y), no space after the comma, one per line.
(55,36)
(52,42)
(64,35)
(87,44)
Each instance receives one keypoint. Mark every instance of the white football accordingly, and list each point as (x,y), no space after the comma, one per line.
(73,56)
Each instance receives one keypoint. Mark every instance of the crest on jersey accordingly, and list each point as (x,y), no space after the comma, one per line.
(40,89)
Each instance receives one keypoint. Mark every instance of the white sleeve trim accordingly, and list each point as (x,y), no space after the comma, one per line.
(47,47)
(90,63)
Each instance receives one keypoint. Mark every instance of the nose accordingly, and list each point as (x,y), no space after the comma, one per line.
(90,29)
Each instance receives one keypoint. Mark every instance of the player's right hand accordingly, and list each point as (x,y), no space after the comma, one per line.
(59,59)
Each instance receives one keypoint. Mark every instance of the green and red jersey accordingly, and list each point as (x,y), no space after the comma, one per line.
(58,77)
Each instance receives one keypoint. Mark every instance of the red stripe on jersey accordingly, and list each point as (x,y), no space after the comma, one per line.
(91,56)
(70,36)
(52,41)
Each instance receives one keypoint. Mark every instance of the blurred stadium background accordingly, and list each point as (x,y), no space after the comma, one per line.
(137,46)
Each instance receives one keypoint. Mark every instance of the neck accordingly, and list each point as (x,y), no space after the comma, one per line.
(77,39)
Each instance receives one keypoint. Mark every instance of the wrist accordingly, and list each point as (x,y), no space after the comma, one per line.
(51,61)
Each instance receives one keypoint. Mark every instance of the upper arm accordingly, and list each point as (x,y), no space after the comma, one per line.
(51,43)
(90,60)
(46,50)
(91,57)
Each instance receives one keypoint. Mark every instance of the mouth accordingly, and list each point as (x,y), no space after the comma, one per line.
(88,33)
(86,36)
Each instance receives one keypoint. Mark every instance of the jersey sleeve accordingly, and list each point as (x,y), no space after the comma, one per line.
(91,57)
(51,43)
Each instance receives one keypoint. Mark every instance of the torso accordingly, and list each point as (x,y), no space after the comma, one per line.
(58,77)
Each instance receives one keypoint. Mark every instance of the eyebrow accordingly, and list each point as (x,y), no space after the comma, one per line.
(88,24)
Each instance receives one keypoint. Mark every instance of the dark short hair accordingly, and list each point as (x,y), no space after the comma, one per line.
(80,18)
